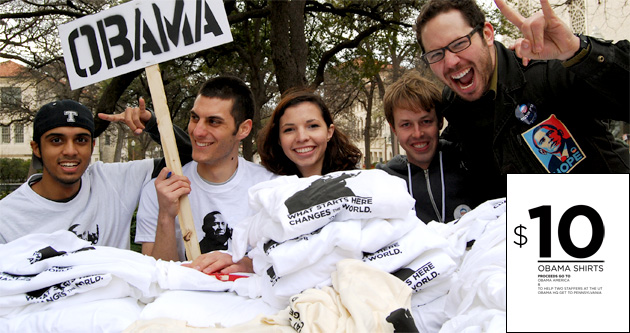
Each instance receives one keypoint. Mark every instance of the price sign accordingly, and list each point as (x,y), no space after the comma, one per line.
(567,252)
(564,228)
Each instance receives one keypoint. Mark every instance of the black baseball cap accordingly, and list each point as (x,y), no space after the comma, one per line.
(62,113)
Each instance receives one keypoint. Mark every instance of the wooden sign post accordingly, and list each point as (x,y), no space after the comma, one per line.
(141,34)
(171,154)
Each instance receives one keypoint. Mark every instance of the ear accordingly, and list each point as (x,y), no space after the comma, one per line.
(440,123)
(244,128)
(488,33)
(331,131)
(35,148)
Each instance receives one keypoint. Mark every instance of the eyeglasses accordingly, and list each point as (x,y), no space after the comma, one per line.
(458,45)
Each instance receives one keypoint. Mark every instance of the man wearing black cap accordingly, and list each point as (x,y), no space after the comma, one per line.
(96,202)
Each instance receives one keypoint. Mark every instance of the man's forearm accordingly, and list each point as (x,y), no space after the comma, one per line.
(165,246)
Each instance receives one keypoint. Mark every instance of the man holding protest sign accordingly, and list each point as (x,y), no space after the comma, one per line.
(141,34)
(216,181)
(492,100)
(96,202)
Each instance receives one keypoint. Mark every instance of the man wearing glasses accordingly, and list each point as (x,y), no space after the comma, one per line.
(492,96)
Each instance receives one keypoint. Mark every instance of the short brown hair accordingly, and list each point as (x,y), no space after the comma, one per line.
(412,91)
(234,89)
(468,8)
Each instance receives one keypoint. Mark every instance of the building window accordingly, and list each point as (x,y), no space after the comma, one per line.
(108,140)
(11,97)
(18,133)
(6,134)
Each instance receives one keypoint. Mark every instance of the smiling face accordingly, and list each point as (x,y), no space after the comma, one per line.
(213,133)
(304,136)
(65,153)
(418,132)
(468,72)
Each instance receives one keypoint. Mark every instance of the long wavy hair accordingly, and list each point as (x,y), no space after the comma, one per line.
(341,154)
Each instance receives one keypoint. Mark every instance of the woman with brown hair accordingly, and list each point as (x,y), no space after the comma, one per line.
(301,139)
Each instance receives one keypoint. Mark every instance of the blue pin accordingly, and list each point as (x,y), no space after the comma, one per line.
(526,113)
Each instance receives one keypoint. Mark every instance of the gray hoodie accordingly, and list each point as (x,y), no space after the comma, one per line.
(443,192)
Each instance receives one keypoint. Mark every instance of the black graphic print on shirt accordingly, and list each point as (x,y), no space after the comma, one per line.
(86,235)
(217,233)
(321,190)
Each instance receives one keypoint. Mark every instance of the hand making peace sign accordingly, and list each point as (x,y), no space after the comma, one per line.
(545,35)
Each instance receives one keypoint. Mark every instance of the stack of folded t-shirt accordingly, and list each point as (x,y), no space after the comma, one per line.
(304,226)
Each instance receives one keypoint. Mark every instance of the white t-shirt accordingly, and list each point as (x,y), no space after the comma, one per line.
(228,199)
(100,213)
(289,207)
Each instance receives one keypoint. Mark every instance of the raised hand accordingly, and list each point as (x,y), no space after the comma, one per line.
(517,48)
(545,35)
(134,117)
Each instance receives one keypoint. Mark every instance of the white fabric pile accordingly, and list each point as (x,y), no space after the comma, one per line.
(304,226)
(47,279)
(299,240)
(451,281)
(475,300)
(477,295)
(361,299)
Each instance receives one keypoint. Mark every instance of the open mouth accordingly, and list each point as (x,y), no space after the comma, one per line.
(304,150)
(420,145)
(464,79)
(202,144)
(69,166)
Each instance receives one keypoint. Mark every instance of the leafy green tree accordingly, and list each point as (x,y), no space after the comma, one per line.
(277,45)
(13,170)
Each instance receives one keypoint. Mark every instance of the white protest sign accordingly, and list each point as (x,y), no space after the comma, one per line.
(141,34)
(138,34)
